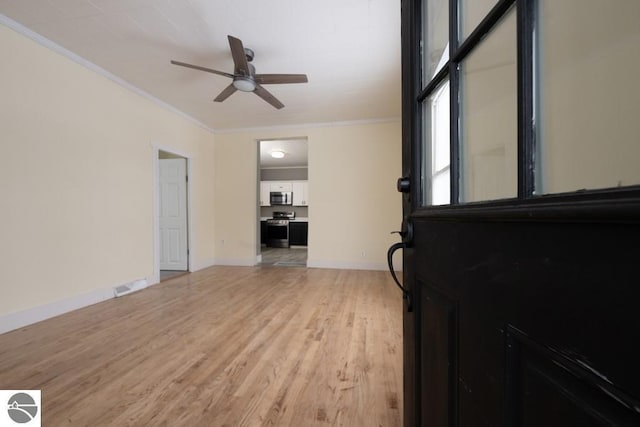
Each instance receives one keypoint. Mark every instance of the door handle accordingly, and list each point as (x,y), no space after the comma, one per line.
(407,241)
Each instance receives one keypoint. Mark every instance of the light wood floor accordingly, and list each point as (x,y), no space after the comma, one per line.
(227,346)
(170,274)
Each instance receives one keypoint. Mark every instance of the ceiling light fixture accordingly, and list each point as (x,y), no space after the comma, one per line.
(244,84)
(277,154)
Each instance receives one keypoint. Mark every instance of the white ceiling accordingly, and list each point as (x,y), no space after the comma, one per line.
(350,50)
(295,153)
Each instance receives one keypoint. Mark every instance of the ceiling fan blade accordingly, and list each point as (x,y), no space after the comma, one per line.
(227,92)
(267,79)
(267,96)
(197,67)
(239,57)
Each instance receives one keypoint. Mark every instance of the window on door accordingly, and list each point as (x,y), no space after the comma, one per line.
(523,99)
(589,63)
(437,173)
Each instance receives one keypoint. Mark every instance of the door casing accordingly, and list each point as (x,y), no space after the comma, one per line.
(156,148)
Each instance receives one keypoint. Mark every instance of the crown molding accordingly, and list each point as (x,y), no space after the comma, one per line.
(307,126)
(45,42)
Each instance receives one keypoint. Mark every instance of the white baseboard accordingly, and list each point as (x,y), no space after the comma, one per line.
(19,319)
(153,280)
(243,262)
(131,287)
(202,264)
(350,265)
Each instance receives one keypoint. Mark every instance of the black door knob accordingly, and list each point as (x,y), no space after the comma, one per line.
(404,184)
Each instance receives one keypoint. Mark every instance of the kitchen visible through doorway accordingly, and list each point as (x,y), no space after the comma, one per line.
(283,202)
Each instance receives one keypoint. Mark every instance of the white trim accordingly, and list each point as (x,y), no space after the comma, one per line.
(12,321)
(155,223)
(306,126)
(202,264)
(156,148)
(126,289)
(151,281)
(380,266)
(287,167)
(242,262)
(45,42)
(51,45)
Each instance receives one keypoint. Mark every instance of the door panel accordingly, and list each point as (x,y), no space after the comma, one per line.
(173,214)
(543,381)
(544,314)
(438,328)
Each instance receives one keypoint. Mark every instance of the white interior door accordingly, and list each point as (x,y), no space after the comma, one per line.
(173,214)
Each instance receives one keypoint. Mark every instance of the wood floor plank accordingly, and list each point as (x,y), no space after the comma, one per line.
(226,346)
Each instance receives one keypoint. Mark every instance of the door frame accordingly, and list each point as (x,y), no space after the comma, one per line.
(156,148)
(258,142)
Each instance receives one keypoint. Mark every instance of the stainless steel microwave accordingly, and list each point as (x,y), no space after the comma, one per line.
(278,198)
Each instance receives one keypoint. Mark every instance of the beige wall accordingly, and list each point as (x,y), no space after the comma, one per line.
(76,178)
(353,202)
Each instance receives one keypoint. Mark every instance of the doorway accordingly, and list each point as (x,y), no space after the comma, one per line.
(172,214)
(283,202)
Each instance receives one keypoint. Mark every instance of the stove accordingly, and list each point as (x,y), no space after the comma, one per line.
(278,229)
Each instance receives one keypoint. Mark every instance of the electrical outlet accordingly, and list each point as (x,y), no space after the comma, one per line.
(222,242)
(364,254)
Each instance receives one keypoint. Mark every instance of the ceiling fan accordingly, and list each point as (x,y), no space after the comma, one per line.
(244,75)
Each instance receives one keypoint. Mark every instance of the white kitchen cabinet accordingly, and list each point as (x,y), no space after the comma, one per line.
(300,193)
(280,186)
(265,189)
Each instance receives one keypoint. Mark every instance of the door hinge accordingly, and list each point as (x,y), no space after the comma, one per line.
(187,177)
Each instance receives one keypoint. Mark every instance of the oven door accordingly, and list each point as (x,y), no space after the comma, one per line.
(278,233)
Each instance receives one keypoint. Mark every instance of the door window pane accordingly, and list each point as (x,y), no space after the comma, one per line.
(436,147)
(589,63)
(471,13)
(489,109)
(435,38)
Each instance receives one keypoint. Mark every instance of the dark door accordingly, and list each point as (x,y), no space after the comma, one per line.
(521,212)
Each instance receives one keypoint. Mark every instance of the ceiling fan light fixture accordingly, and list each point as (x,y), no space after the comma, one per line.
(277,154)
(244,84)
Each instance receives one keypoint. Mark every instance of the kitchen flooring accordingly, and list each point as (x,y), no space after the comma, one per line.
(284,257)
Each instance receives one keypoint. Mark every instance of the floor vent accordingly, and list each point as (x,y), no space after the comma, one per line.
(122,290)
